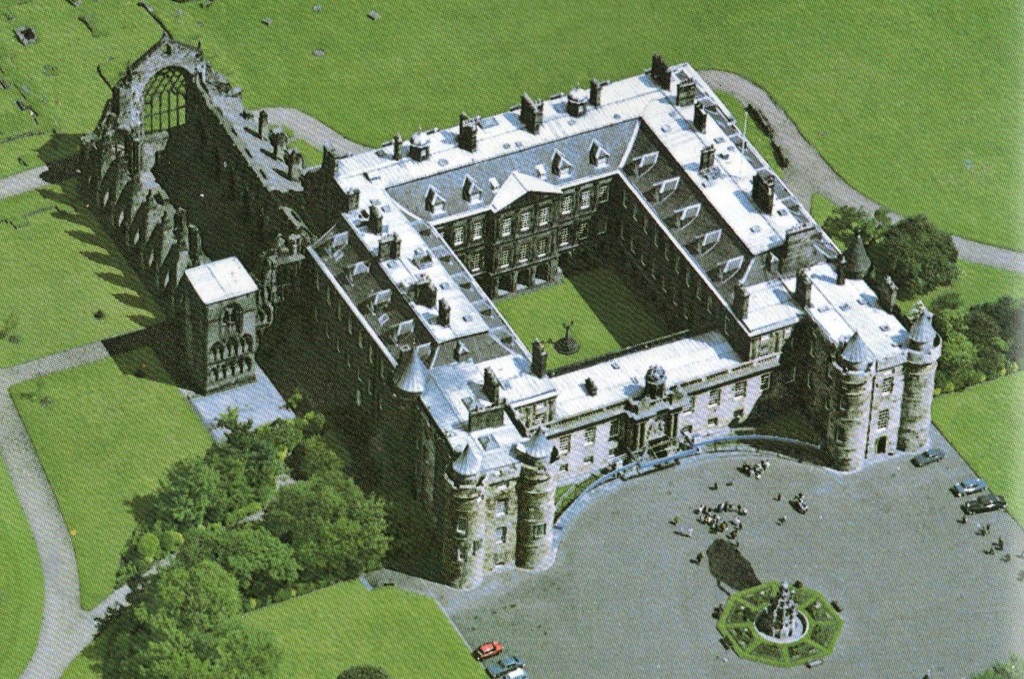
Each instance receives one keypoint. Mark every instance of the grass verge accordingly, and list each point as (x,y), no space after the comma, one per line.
(21,584)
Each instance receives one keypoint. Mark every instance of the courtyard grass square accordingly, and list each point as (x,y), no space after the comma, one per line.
(104,436)
(606,315)
(57,269)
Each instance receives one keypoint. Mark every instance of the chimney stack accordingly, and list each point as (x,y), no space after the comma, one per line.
(444,312)
(264,125)
(803,289)
(887,294)
(467,133)
(180,225)
(576,102)
(419,146)
(396,147)
(293,158)
(376,219)
(660,73)
(539,364)
(840,265)
(426,294)
(277,142)
(330,162)
(390,246)
(532,114)
(707,159)
(492,388)
(595,91)
(686,92)
(195,244)
(741,301)
(700,117)
(349,199)
(764,191)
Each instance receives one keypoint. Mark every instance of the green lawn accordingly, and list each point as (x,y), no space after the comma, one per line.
(58,267)
(983,424)
(105,436)
(863,80)
(607,315)
(757,138)
(21,584)
(978,283)
(327,631)
(821,208)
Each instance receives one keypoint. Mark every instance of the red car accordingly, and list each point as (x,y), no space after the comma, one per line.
(488,650)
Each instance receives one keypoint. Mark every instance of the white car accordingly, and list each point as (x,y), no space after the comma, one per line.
(969,487)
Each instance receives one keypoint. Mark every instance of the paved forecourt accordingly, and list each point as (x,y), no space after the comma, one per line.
(623,597)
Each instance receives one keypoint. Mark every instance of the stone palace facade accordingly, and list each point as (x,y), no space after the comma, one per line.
(373,276)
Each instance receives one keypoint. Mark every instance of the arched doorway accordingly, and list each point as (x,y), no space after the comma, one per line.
(164,100)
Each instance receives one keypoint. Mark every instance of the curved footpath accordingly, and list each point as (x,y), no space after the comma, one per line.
(66,628)
(808,173)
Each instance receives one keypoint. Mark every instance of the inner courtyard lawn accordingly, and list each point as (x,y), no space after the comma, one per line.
(21,584)
(325,632)
(105,436)
(983,423)
(57,269)
(862,80)
(607,315)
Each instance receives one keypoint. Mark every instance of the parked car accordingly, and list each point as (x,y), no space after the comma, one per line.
(518,673)
(927,457)
(488,650)
(505,667)
(969,487)
(985,503)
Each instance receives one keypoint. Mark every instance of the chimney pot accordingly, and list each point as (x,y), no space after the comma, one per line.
(700,117)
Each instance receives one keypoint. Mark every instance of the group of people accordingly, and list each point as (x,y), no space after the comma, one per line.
(756,469)
(716,523)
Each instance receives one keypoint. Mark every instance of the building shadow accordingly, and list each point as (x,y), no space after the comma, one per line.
(729,567)
(150,353)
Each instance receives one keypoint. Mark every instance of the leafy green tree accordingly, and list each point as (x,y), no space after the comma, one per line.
(917,255)
(1011,669)
(983,331)
(364,672)
(259,562)
(1008,313)
(314,457)
(846,221)
(183,497)
(958,361)
(337,532)
(183,625)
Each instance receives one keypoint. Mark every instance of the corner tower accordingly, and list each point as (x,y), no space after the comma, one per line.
(850,425)
(466,521)
(536,489)
(924,346)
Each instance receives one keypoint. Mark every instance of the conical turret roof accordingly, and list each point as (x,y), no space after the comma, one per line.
(469,463)
(411,377)
(922,332)
(856,351)
(539,446)
(857,261)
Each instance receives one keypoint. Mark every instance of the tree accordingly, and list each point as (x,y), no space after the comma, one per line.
(183,625)
(917,256)
(313,457)
(1011,669)
(337,532)
(364,672)
(183,497)
(846,221)
(261,564)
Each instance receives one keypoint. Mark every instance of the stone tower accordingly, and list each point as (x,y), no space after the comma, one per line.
(924,346)
(536,489)
(466,521)
(852,415)
(780,621)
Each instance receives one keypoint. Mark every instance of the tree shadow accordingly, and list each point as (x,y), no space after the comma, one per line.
(141,507)
(729,567)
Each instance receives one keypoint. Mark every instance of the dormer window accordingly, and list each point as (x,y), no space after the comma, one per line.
(598,155)
(664,189)
(560,167)
(471,191)
(434,202)
(686,215)
(644,163)
(710,240)
(731,266)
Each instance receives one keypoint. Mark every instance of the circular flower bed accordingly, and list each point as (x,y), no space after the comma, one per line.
(737,624)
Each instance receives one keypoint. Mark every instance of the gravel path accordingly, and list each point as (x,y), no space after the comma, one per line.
(310,129)
(66,628)
(29,180)
(808,173)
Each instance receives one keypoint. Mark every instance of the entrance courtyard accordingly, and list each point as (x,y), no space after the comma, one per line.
(626,598)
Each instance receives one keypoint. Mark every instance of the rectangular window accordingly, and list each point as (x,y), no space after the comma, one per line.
(615,429)
(524,221)
(564,441)
(477,229)
(714,397)
(477,544)
(501,508)
(544,216)
(566,204)
(602,223)
(501,535)
(590,435)
(504,257)
(766,381)
(524,252)
(739,390)
(540,529)
(542,247)
(602,193)
(583,231)
(563,236)
(589,459)
(883,418)
(687,404)
(585,197)
(506,226)
(459,235)
(625,199)
(888,384)
(474,261)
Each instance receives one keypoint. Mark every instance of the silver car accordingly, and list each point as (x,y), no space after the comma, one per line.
(969,487)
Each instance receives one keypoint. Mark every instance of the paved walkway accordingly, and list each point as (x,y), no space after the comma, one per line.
(23,182)
(66,628)
(808,173)
(310,129)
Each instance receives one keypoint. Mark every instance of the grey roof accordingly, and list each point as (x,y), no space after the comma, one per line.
(538,447)
(922,332)
(469,463)
(856,351)
(857,261)
(221,280)
(411,377)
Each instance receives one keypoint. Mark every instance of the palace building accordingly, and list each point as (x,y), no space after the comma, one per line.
(374,276)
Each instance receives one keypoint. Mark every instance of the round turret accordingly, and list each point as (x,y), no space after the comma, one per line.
(924,347)
(534,532)
(857,263)
(465,524)
(538,447)
(411,376)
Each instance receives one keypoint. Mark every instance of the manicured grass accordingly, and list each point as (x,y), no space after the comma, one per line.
(607,315)
(983,424)
(58,268)
(21,584)
(862,80)
(759,139)
(105,436)
(978,283)
(821,208)
(327,631)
